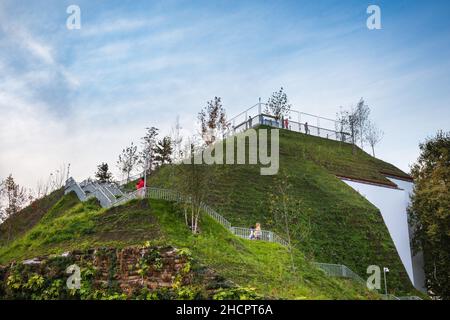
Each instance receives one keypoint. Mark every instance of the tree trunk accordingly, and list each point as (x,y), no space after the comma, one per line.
(192,217)
(197,215)
(9,229)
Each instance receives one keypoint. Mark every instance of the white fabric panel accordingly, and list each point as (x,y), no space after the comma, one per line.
(392,204)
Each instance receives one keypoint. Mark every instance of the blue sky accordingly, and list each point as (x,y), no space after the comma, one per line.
(80,96)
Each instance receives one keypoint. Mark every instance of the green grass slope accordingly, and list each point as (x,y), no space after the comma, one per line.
(263,266)
(346,228)
(28,217)
(338,158)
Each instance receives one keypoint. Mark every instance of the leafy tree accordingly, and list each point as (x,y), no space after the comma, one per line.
(278,105)
(163,151)
(103,175)
(354,121)
(128,160)
(15,198)
(147,155)
(362,115)
(288,214)
(348,122)
(373,135)
(58,177)
(213,121)
(430,212)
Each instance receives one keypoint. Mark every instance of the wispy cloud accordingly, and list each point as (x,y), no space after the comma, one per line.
(110,25)
(80,96)
(34,47)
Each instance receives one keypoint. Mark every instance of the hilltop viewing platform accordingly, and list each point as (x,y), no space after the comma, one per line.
(295,121)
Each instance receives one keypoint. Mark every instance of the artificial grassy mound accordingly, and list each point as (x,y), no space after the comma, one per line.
(346,228)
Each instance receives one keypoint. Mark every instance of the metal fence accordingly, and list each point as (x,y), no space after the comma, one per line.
(296,121)
(246,233)
(213,214)
(163,194)
(125,198)
(170,195)
(409,298)
(340,271)
(265,235)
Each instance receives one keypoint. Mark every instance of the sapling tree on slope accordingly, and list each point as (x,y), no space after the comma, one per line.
(430,212)
(348,121)
(373,135)
(103,175)
(213,121)
(193,182)
(147,155)
(128,160)
(278,105)
(288,214)
(362,115)
(42,189)
(163,151)
(14,198)
(58,177)
(56,180)
(354,121)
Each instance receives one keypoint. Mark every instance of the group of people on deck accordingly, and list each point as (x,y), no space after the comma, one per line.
(284,123)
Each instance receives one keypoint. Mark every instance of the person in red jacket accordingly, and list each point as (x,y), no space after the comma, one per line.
(140,187)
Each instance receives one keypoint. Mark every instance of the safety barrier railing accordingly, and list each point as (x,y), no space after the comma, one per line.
(213,214)
(170,195)
(264,119)
(389,297)
(265,235)
(163,194)
(339,270)
(409,298)
(296,121)
(125,198)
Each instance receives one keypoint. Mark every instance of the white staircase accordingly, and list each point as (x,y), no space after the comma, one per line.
(106,193)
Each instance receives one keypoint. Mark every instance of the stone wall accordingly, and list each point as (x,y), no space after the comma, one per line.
(147,272)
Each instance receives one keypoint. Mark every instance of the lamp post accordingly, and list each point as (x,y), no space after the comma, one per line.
(385,270)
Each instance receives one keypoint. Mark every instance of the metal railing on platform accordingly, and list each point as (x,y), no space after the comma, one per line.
(295,121)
